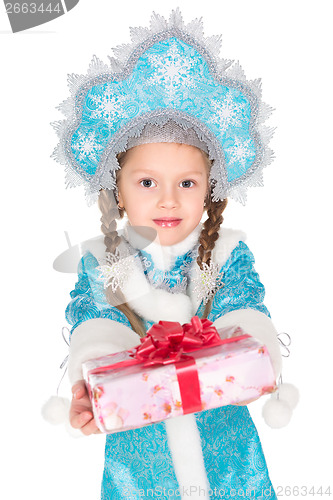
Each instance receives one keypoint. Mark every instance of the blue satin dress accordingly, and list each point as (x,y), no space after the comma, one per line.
(138,463)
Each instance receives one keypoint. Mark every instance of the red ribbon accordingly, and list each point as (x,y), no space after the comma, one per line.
(166,341)
(169,342)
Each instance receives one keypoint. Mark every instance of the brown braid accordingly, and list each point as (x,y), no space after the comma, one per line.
(208,237)
(111,241)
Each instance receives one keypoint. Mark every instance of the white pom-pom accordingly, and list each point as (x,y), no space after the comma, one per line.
(56,410)
(289,394)
(276,413)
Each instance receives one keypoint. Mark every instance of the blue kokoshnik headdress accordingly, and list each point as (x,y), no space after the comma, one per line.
(170,73)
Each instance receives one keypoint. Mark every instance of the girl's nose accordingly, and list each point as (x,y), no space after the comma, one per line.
(168,198)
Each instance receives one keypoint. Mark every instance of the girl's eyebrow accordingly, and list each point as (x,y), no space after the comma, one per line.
(153,172)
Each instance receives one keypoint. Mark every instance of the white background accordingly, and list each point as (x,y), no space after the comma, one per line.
(286,43)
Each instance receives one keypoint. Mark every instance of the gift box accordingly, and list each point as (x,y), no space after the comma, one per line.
(177,369)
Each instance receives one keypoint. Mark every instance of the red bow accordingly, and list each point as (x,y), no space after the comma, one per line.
(166,341)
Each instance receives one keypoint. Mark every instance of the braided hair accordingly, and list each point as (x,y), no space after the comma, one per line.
(208,236)
(111,241)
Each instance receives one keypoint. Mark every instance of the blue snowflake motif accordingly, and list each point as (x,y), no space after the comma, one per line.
(172,70)
(227,112)
(240,152)
(109,104)
(87,145)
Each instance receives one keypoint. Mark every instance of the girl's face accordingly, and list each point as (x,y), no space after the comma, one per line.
(163,186)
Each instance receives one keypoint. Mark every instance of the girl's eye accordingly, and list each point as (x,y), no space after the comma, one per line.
(187,184)
(147,183)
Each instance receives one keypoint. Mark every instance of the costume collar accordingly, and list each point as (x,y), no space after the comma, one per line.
(155,303)
(163,257)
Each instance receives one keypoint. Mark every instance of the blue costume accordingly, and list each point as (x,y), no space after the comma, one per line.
(138,461)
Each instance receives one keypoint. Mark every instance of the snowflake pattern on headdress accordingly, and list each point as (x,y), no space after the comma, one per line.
(207,281)
(173,71)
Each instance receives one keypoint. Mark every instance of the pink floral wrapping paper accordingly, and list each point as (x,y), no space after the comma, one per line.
(133,396)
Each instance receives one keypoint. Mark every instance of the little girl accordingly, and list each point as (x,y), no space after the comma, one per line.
(165,136)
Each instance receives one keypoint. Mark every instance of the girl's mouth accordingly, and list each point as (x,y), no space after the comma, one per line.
(167,222)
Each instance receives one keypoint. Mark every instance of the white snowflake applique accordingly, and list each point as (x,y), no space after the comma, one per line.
(208,281)
(240,152)
(87,146)
(172,71)
(227,113)
(117,270)
(109,105)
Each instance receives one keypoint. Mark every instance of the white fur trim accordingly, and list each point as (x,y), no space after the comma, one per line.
(258,325)
(185,446)
(97,337)
(155,304)
(163,257)
(152,303)
(227,241)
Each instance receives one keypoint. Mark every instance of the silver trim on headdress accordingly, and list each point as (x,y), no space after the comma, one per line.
(224,72)
(169,132)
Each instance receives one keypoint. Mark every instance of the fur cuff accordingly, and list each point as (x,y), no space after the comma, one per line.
(258,325)
(97,337)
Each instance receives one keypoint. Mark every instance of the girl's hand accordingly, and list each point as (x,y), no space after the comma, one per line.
(81,414)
